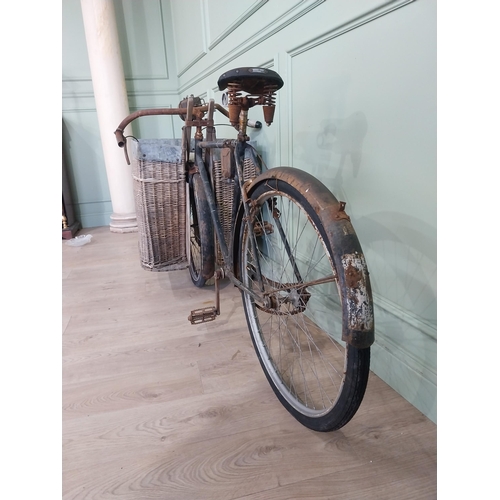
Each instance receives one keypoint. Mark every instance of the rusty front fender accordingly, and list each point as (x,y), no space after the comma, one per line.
(353,278)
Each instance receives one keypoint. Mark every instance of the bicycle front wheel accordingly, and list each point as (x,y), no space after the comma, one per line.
(201,238)
(297,329)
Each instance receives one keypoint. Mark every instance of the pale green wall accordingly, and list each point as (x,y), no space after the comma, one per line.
(146,41)
(366,69)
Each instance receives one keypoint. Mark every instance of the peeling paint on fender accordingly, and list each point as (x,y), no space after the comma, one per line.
(359,305)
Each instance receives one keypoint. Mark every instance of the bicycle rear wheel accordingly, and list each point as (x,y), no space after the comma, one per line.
(201,238)
(319,379)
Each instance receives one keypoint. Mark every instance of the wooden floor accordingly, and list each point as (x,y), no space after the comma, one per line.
(154,408)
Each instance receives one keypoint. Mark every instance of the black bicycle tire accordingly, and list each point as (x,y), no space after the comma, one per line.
(202,225)
(357,360)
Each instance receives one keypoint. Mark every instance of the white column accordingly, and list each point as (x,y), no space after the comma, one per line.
(112,106)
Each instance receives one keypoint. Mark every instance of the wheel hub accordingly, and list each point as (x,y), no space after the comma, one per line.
(288,300)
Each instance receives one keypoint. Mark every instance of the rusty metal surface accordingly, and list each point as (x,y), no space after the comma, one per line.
(203,315)
(360,315)
(226,156)
(325,203)
(354,283)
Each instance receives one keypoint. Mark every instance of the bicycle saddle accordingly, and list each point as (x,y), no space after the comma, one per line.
(254,81)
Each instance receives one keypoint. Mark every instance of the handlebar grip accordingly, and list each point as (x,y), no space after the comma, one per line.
(254,124)
(120,139)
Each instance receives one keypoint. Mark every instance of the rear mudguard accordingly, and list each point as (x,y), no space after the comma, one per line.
(358,327)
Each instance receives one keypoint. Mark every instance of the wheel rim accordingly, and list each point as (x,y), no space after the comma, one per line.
(298,334)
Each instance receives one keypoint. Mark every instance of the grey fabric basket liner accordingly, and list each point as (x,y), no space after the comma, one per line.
(165,150)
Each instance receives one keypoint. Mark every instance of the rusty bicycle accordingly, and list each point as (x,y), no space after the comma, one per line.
(287,243)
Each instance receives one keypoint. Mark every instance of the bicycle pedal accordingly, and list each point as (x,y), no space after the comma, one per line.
(203,315)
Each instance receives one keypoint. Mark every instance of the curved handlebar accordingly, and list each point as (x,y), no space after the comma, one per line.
(146,112)
(197,111)
(120,138)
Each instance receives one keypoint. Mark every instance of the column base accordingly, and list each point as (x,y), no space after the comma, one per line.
(123,223)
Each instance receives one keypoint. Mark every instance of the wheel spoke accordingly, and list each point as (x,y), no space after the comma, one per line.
(297,351)
(297,328)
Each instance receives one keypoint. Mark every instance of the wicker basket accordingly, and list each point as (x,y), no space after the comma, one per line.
(160,200)
(224,189)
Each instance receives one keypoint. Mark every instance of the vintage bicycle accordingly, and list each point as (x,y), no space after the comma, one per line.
(286,242)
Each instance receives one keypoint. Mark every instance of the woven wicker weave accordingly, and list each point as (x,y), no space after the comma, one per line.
(224,195)
(160,200)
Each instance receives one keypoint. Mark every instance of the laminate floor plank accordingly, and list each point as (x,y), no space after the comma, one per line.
(156,408)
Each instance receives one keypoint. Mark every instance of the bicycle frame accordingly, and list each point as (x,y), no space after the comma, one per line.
(352,273)
(237,145)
